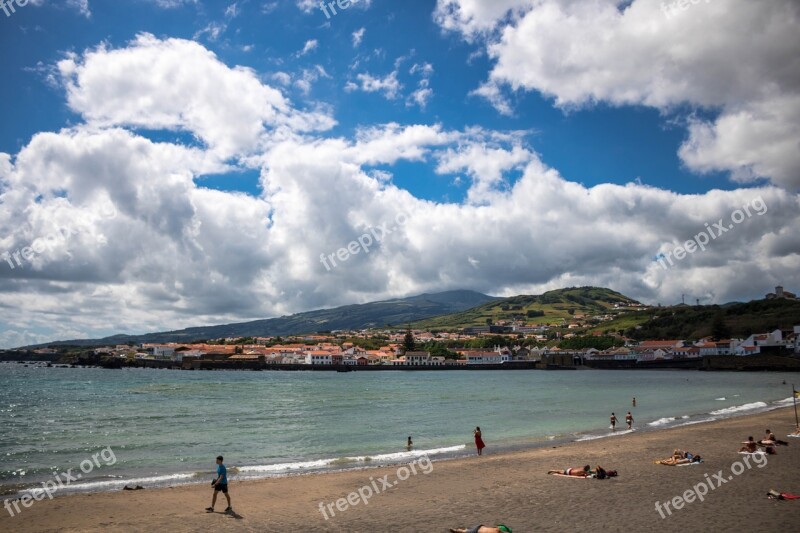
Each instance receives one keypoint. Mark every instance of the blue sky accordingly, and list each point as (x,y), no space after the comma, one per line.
(597,145)
(579,139)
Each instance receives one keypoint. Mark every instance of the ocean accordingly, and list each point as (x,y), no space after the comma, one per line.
(165,427)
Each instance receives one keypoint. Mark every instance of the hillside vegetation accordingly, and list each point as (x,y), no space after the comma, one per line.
(553,307)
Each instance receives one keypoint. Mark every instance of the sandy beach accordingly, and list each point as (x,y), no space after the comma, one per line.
(511,488)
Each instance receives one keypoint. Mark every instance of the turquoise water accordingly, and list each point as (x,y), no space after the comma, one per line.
(166,427)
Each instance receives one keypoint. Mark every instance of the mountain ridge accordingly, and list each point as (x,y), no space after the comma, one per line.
(395,311)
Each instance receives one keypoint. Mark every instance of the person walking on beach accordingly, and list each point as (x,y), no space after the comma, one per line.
(613,421)
(629,419)
(220,485)
(478,440)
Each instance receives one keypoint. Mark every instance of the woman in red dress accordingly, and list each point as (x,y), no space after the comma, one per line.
(478,440)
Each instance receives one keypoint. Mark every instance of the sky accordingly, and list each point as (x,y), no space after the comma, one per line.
(176,163)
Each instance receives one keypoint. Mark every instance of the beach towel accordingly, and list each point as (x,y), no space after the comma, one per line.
(759,452)
(794,436)
(573,477)
(691,464)
(775,495)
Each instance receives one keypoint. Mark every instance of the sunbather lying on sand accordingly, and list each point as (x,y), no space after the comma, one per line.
(482,529)
(601,473)
(583,471)
(680,458)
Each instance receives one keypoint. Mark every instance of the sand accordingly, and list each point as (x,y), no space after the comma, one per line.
(512,488)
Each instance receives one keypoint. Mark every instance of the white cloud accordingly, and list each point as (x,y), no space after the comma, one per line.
(582,52)
(178,254)
(358,36)
(82,6)
(269,7)
(172,4)
(389,86)
(284,78)
(213,30)
(421,97)
(475,17)
(310,46)
(177,84)
(232,11)
(424,93)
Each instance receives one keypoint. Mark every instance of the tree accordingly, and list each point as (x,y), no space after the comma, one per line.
(408,342)
(719,329)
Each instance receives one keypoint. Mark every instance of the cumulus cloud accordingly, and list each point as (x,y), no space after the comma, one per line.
(581,52)
(180,85)
(176,254)
(389,86)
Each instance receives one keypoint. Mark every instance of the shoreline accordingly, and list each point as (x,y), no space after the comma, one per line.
(322,465)
(509,487)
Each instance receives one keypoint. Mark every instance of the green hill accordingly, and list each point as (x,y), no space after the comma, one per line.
(397,312)
(553,307)
(693,322)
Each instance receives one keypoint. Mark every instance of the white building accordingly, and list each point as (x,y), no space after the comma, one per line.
(484,358)
(318,358)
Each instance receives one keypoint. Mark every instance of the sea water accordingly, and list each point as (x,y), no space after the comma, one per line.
(166,427)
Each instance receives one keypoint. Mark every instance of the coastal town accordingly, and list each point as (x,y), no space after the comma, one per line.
(518,342)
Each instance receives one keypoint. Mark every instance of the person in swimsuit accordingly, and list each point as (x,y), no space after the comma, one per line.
(613,421)
(770,438)
(409,444)
(750,446)
(581,471)
(479,440)
(629,419)
(500,528)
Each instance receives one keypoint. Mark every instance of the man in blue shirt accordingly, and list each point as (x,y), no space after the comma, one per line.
(220,484)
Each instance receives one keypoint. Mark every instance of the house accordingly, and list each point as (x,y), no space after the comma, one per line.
(780,294)
(417,358)
(484,358)
(318,357)
(797,339)
(753,344)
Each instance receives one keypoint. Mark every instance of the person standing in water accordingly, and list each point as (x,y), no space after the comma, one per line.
(634,401)
(629,419)
(613,421)
(409,444)
(479,440)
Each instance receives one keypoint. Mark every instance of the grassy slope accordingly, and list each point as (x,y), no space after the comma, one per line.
(556,304)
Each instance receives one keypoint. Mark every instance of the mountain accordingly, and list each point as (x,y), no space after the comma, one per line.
(397,312)
(548,308)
